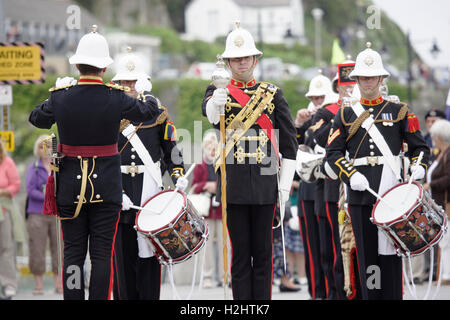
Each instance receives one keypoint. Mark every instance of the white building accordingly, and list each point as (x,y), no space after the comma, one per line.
(206,20)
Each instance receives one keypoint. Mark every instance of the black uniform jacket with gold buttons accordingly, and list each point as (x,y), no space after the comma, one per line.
(90,115)
(251,166)
(324,119)
(396,123)
(160,143)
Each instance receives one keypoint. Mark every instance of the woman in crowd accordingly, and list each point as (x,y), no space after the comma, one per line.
(440,186)
(40,227)
(205,181)
(9,223)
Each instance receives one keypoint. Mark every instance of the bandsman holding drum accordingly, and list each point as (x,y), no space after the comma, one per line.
(372,132)
(86,171)
(147,149)
(261,128)
(319,88)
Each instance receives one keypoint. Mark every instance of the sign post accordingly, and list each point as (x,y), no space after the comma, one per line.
(20,63)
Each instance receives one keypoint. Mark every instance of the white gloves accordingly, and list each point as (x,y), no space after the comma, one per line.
(143,84)
(358,182)
(62,82)
(215,103)
(287,172)
(126,202)
(417,172)
(294,223)
(182,183)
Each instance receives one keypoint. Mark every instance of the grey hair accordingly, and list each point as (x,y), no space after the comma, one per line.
(441,129)
(210,138)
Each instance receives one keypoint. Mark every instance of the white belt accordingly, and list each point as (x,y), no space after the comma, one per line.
(135,169)
(373,161)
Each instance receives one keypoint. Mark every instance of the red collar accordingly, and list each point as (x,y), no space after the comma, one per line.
(239,84)
(90,80)
(339,103)
(373,102)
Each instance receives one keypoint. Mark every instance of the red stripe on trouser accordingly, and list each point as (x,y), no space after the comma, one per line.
(311,263)
(111,276)
(332,237)
(356,251)
(324,277)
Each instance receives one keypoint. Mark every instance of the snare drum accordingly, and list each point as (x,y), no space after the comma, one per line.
(416,225)
(176,233)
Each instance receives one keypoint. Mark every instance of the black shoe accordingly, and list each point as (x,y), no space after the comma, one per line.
(284,288)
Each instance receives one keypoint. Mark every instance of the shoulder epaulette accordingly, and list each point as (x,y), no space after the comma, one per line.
(117,87)
(164,116)
(144,95)
(269,86)
(60,88)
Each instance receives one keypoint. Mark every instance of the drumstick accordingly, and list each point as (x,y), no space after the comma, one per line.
(176,188)
(142,208)
(419,159)
(379,198)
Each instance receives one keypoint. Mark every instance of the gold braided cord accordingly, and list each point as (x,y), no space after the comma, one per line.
(354,127)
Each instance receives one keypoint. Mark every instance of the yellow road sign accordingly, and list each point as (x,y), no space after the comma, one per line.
(8,139)
(21,62)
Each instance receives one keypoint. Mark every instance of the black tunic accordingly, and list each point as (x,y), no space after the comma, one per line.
(249,182)
(400,131)
(90,115)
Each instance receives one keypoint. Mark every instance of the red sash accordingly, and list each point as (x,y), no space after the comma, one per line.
(263,121)
(88,151)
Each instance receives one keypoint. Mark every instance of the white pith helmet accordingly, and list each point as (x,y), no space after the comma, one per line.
(92,50)
(130,67)
(330,98)
(240,44)
(369,64)
(319,86)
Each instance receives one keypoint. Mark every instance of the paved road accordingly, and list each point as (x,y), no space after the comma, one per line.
(26,287)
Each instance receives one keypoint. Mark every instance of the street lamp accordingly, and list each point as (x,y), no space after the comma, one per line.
(435,49)
(289,39)
(317,14)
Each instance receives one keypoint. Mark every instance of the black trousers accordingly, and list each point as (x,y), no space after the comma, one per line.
(318,288)
(338,268)
(372,265)
(135,278)
(327,255)
(250,231)
(303,233)
(96,225)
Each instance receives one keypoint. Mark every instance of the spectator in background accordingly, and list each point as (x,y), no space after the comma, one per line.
(205,180)
(40,227)
(440,186)
(430,118)
(285,277)
(10,223)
